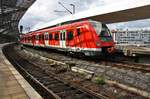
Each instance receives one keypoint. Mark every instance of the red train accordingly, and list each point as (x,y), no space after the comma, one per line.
(87,36)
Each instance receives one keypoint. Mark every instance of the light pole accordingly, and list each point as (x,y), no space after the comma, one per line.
(65,7)
(60,11)
(73,12)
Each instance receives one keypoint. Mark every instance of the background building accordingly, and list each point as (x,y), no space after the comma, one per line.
(132,37)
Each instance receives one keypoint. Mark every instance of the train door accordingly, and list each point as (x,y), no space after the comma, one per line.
(78,41)
(46,36)
(42,43)
(63,38)
(36,40)
(33,40)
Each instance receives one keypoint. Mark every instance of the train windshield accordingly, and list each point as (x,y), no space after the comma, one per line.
(101,30)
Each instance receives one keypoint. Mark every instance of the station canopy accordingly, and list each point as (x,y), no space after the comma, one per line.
(11,11)
(119,11)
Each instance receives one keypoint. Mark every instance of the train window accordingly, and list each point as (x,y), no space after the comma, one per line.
(64,36)
(37,37)
(50,36)
(105,31)
(56,36)
(46,36)
(97,26)
(78,31)
(61,38)
(70,35)
(42,37)
(30,38)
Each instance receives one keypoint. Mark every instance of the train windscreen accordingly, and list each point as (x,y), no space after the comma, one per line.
(102,31)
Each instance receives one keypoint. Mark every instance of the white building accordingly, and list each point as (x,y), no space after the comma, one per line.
(132,37)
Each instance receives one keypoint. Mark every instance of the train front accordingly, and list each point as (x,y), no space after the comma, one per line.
(104,37)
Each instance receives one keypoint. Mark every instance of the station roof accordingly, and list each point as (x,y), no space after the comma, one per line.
(11,11)
(121,11)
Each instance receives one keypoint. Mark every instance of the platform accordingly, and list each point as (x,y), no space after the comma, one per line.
(12,84)
(129,50)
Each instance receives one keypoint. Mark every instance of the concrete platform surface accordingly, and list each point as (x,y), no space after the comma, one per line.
(12,84)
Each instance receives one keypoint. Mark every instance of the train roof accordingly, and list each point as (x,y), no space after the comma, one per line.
(61,24)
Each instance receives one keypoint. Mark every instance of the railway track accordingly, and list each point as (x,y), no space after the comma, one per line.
(125,75)
(133,67)
(42,77)
(47,84)
(144,68)
(113,62)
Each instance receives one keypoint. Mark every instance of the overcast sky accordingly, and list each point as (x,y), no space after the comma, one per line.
(42,11)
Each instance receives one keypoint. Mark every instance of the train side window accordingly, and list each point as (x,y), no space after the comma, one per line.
(37,37)
(46,36)
(64,36)
(70,35)
(78,31)
(56,36)
(50,36)
(61,36)
(30,38)
(42,37)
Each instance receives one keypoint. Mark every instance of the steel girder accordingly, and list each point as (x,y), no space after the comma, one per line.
(11,11)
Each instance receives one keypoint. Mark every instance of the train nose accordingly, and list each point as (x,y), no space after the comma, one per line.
(111,50)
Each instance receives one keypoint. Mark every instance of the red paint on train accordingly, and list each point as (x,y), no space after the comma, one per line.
(88,37)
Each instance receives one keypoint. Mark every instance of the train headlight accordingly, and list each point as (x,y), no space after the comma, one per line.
(110,50)
(98,44)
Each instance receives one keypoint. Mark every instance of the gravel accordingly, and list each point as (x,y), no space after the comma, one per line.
(132,78)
